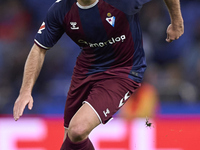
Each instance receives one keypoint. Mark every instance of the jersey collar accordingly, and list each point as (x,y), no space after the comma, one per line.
(87,7)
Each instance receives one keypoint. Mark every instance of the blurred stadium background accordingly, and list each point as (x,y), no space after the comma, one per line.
(170,95)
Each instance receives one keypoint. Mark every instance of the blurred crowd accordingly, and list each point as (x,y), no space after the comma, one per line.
(173,72)
(173,68)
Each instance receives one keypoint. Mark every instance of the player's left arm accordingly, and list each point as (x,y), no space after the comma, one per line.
(176,28)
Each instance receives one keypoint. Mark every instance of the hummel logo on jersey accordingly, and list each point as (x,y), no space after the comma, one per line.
(58,1)
(122,101)
(110,19)
(106,112)
(41,28)
(73,24)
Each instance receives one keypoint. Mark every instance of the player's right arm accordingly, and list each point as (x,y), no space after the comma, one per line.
(32,69)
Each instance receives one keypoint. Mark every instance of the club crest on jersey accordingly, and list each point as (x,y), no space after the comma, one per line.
(41,28)
(110,19)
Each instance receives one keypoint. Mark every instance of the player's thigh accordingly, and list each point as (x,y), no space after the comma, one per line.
(84,121)
(65,134)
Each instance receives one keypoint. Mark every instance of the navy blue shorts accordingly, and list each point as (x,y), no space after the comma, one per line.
(104,93)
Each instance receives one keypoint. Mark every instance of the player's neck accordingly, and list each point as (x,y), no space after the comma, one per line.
(86,2)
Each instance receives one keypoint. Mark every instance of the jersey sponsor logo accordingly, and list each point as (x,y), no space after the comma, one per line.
(41,28)
(102,44)
(106,112)
(73,26)
(123,100)
(110,19)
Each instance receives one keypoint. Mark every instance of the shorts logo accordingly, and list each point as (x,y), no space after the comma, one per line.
(123,100)
(106,112)
(41,28)
(73,24)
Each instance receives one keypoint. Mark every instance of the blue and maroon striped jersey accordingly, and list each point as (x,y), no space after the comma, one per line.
(108,33)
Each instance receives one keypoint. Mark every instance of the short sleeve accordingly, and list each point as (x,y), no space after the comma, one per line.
(52,28)
(129,7)
(138,5)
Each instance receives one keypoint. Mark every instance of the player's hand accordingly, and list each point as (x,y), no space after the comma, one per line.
(174,32)
(20,104)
